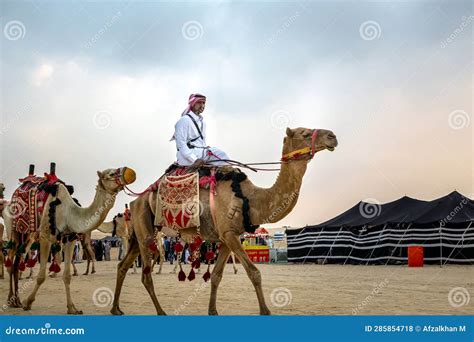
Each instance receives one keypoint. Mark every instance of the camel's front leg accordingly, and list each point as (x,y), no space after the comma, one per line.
(45,248)
(122,269)
(216,277)
(68,250)
(233,242)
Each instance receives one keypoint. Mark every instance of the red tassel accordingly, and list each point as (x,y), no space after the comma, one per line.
(207,275)
(31,263)
(198,241)
(196,264)
(178,247)
(8,263)
(152,246)
(210,256)
(193,247)
(181,275)
(191,275)
(54,268)
(21,265)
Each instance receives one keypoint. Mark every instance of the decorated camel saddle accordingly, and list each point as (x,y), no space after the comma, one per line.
(178,206)
(29,199)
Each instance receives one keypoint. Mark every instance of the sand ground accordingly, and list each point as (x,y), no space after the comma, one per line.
(289,290)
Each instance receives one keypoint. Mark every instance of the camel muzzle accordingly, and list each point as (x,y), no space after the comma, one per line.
(128,175)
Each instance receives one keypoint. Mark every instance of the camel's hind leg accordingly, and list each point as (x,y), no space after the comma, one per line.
(68,250)
(216,277)
(232,255)
(147,279)
(233,242)
(45,247)
(122,270)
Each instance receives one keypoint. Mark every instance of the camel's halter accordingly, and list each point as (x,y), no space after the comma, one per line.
(118,177)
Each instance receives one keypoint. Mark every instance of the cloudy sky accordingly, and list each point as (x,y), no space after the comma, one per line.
(96,85)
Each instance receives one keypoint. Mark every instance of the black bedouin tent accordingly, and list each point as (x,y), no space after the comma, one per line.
(371,233)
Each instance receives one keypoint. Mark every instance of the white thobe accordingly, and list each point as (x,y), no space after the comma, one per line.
(184,132)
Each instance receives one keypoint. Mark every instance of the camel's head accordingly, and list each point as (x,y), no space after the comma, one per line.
(300,142)
(113,180)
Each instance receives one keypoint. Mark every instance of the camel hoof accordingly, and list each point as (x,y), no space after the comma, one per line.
(235,271)
(75,274)
(116,312)
(213,313)
(74,312)
(93,271)
(265,312)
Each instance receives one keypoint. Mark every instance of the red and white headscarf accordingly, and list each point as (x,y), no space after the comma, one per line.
(193,99)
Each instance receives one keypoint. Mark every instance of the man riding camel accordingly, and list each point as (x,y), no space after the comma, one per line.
(190,137)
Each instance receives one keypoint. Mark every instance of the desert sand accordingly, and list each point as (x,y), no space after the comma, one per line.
(289,290)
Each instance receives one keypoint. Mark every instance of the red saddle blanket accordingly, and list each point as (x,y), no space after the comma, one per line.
(178,201)
(28,203)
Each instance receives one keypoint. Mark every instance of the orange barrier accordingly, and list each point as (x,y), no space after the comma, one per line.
(415,256)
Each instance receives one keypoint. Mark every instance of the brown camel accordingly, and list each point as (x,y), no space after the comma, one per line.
(70,218)
(267,205)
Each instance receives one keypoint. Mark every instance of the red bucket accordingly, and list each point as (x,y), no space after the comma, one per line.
(415,256)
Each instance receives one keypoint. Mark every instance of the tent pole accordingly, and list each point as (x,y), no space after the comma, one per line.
(440,245)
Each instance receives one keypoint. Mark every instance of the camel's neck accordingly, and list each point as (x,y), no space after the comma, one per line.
(277,201)
(82,220)
(106,227)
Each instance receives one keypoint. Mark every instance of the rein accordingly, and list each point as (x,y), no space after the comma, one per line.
(288,157)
